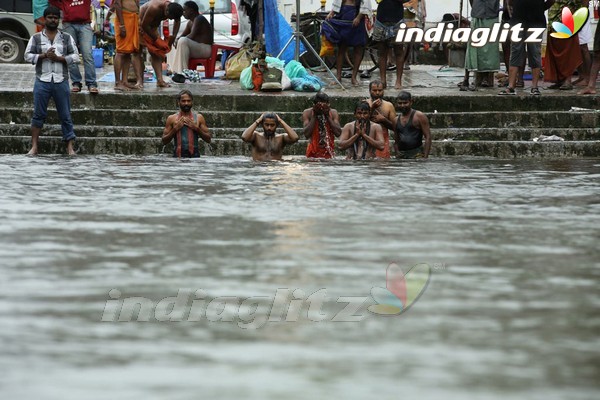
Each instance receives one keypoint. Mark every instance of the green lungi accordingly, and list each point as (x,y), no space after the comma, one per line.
(486,58)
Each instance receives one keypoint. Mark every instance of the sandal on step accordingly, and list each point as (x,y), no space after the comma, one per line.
(507,92)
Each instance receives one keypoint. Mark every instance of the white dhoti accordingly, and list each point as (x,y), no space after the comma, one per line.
(186,49)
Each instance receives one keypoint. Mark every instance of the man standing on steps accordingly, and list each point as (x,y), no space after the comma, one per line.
(186,127)
(267,145)
(76,22)
(152,14)
(127,37)
(321,127)
(390,14)
(411,128)
(382,113)
(52,51)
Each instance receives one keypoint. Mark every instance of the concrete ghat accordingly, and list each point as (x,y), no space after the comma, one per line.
(463,124)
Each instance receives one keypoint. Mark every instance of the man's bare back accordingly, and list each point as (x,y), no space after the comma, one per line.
(201,31)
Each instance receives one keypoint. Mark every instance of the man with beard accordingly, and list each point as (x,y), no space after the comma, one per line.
(152,14)
(51,51)
(186,126)
(382,113)
(410,129)
(268,145)
(361,137)
(321,125)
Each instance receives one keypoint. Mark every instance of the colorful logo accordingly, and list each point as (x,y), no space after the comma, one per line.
(402,290)
(571,23)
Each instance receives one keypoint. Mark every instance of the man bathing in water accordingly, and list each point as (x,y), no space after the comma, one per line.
(268,145)
(152,14)
(361,137)
(411,128)
(186,127)
(321,127)
(382,113)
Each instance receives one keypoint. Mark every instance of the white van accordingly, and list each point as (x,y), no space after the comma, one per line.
(16,27)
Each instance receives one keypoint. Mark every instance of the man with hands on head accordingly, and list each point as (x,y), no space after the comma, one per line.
(186,127)
(321,126)
(268,145)
(361,137)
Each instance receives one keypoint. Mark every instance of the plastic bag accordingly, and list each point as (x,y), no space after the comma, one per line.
(236,63)
(309,83)
(294,69)
(327,48)
(246,78)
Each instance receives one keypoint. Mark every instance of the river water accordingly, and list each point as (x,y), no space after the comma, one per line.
(510,310)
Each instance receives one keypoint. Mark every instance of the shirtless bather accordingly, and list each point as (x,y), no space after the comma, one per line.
(267,145)
(361,138)
(151,16)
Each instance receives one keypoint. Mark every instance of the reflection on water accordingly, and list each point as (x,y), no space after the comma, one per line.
(510,311)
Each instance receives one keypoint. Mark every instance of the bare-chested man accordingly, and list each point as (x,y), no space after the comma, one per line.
(195,41)
(382,113)
(268,145)
(186,127)
(127,36)
(411,128)
(321,127)
(361,137)
(151,16)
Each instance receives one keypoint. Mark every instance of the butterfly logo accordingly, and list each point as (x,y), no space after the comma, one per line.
(402,290)
(571,23)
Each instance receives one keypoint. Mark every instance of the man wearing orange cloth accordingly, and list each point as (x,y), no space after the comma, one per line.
(127,36)
(152,14)
(321,126)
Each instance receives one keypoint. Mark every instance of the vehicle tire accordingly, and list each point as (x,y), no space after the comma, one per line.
(12,47)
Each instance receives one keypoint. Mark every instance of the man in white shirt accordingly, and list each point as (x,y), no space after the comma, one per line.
(52,51)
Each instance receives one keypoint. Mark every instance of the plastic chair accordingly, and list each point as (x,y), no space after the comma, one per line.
(209,63)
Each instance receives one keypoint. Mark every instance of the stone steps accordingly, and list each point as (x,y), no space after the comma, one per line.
(238,119)
(463,134)
(215,100)
(227,147)
(474,124)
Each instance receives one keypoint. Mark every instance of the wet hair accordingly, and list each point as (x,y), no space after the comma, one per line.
(375,82)
(269,115)
(363,106)
(192,5)
(174,11)
(184,91)
(52,10)
(321,97)
(404,96)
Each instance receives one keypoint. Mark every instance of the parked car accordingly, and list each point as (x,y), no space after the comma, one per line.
(232,24)
(16,27)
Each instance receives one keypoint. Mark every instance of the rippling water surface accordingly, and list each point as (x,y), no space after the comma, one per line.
(510,311)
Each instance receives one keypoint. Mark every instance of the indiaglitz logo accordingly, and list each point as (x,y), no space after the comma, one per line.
(402,290)
(571,23)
